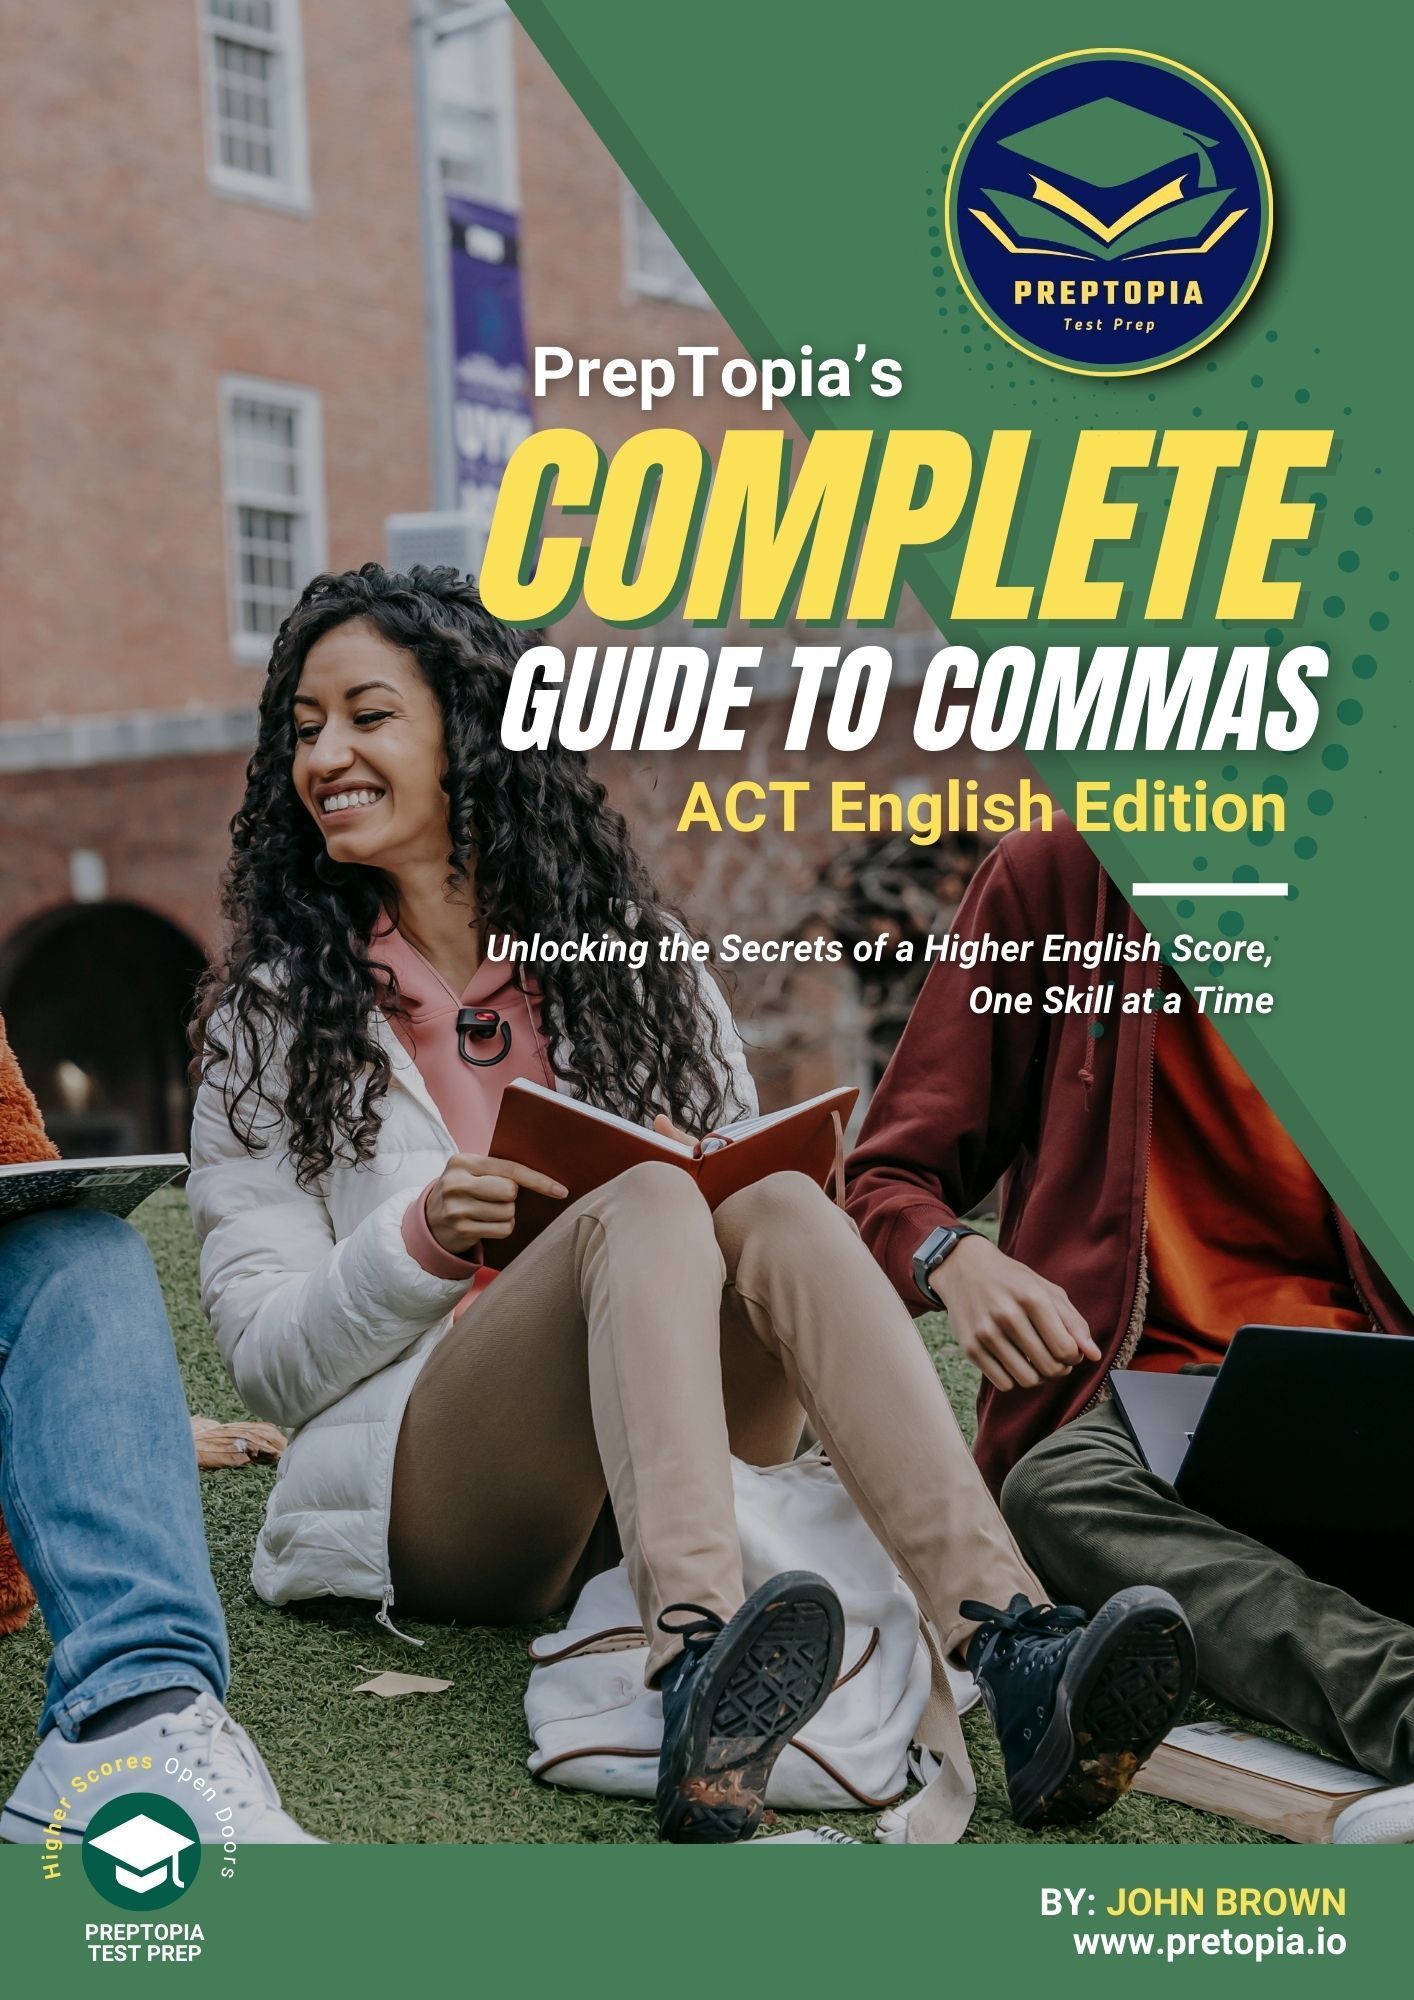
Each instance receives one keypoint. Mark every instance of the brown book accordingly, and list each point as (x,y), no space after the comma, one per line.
(583,1147)
(1293,1793)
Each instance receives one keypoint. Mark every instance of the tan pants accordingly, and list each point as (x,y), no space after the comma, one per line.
(629,1350)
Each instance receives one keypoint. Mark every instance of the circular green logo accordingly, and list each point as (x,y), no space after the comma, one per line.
(141,1851)
(1109,211)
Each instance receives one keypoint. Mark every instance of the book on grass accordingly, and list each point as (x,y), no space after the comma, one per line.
(114,1185)
(583,1147)
(1215,1768)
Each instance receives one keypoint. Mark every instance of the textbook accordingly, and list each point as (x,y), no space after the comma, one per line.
(583,1147)
(1215,1768)
(116,1185)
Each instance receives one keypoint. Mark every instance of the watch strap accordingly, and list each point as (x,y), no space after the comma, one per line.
(935,1249)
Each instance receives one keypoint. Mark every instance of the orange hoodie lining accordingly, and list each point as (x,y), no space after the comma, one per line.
(1239,1228)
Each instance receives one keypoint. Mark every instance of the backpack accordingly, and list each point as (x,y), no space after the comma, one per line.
(893,1711)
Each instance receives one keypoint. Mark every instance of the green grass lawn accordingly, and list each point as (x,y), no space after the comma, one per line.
(447,1767)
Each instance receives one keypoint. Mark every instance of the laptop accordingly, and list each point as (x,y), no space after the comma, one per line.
(1301,1440)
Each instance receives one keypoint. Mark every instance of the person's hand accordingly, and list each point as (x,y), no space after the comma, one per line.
(476,1198)
(219,1446)
(662,1123)
(1012,1324)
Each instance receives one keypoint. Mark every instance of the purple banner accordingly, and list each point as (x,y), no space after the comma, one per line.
(490,372)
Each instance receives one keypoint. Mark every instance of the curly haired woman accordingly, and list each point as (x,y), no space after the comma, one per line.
(473,1448)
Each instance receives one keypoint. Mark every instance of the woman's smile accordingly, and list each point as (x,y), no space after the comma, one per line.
(345,803)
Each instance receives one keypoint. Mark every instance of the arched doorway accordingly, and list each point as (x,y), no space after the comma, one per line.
(96,999)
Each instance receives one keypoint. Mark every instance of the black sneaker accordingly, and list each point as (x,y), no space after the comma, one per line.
(1078,1706)
(734,1698)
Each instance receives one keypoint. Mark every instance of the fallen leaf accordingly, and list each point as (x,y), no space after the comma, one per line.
(393,1684)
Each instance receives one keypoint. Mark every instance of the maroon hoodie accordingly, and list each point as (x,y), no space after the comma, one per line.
(1060,1114)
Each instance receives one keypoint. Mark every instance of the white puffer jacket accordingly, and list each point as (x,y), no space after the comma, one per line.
(324,1320)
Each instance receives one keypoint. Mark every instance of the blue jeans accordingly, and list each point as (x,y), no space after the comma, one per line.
(98,1476)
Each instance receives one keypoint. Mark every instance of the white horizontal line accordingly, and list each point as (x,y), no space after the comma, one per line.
(1209,889)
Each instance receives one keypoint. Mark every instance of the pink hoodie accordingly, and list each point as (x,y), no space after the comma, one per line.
(467,1095)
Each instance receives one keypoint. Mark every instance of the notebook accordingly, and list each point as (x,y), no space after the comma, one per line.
(115,1185)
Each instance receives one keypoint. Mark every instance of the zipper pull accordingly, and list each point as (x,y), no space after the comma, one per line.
(384,1620)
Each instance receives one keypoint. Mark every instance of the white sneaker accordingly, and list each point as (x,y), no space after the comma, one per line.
(1381,1819)
(216,1766)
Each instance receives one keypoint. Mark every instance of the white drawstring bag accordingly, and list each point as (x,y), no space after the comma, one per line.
(893,1710)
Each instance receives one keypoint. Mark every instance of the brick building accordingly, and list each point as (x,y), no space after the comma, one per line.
(212,384)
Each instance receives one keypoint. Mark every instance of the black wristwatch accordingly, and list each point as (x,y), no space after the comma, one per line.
(935,1249)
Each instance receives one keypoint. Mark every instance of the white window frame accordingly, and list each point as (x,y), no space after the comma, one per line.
(681,287)
(290,188)
(484,50)
(311,543)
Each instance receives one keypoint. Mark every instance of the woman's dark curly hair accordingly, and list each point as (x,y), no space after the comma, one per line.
(532,833)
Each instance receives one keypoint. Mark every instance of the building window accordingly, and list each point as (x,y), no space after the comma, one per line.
(256,140)
(474,107)
(272,456)
(652,266)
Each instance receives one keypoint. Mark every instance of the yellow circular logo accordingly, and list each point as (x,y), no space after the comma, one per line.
(1109,212)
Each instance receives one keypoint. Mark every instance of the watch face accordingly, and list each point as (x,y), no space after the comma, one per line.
(929,1254)
(937,1247)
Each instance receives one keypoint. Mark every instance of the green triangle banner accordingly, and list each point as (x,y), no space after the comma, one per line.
(877,179)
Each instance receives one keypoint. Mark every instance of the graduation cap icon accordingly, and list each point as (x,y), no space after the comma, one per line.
(1100,146)
(146,1854)
(1108,142)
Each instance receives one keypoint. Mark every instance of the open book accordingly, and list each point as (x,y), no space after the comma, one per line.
(115,1185)
(583,1147)
(1218,1769)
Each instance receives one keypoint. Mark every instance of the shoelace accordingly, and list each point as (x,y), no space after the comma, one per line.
(700,1630)
(697,1636)
(1049,1626)
(213,1742)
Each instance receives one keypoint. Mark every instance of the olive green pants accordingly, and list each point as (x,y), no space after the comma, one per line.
(1273,1642)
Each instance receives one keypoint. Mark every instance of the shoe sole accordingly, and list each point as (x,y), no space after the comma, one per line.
(1122,1689)
(778,1661)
